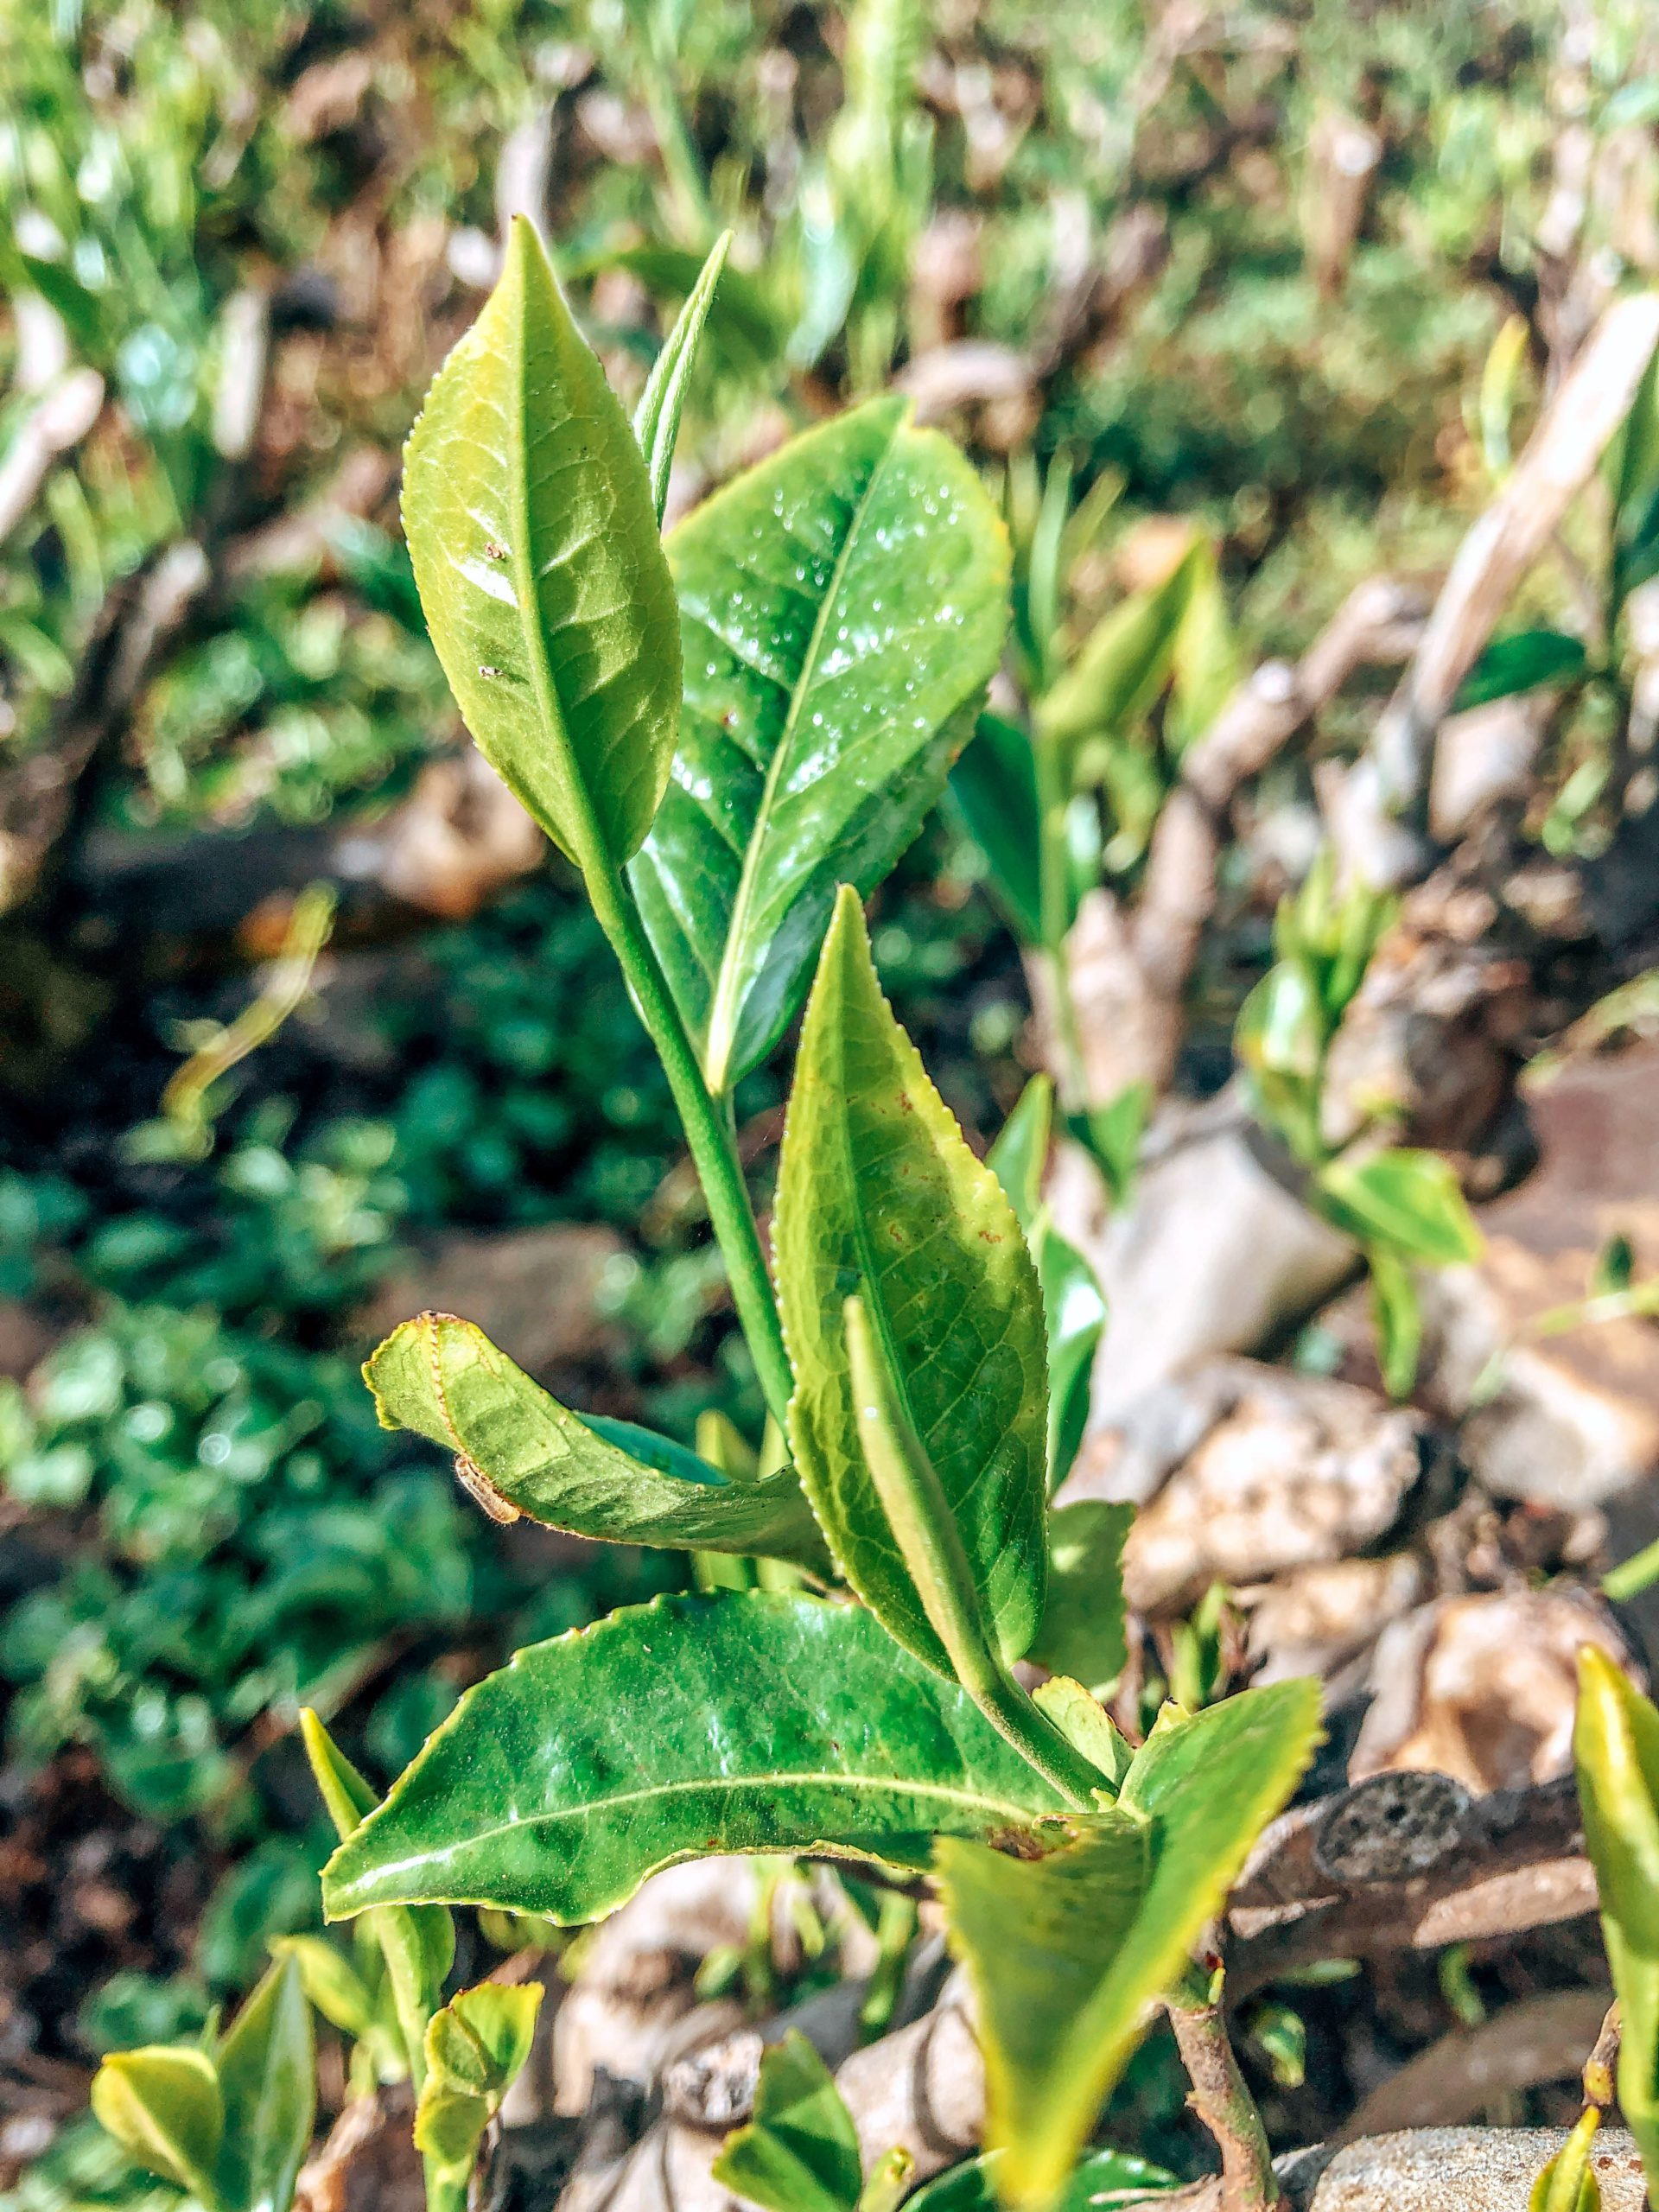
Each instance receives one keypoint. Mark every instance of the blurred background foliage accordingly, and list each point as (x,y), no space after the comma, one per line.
(1241,269)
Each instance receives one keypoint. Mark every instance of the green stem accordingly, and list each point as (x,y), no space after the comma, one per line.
(925,1530)
(446,2187)
(707,1132)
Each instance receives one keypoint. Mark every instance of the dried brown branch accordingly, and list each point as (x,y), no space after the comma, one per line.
(1405,1862)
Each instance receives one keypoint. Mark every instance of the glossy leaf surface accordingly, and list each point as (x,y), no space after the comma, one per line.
(993,786)
(1068,1952)
(843,606)
(444,1379)
(879,1196)
(268,2077)
(1616,1751)
(799,2154)
(692,1725)
(529,515)
(1104,2178)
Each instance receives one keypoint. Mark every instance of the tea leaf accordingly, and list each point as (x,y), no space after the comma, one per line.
(163,2106)
(1413,1199)
(1123,664)
(475,2049)
(799,2154)
(1104,2177)
(530,520)
(1616,1750)
(1082,1631)
(843,605)
(444,1379)
(880,1195)
(1067,1952)
(1522,663)
(761,1720)
(993,786)
(656,418)
(267,2075)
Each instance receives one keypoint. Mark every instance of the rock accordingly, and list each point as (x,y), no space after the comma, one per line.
(1214,1254)
(535,1292)
(1567,1419)
(1285,1471)
(1454,2169)
(1482,1688)
(1433,1038)
(1481,758)
(1315,1620)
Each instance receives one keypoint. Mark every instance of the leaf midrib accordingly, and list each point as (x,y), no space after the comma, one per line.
(852,1784)
(724,1011)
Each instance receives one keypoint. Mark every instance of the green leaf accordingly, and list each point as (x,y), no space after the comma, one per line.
(1397,1315)
(799,2154)
(331,1983)
(879,1195)
(1616,1750)
(268,2078)
(656,418)
(417,1942)
(842,606)
(444,1379)
(1086,1726)
(693,1725)
(1019,1159)
(1082,1634)
(1067,1952)
(529,515)
(475,2049)
(1122,667)
(1104,2178)
(994,787)
(162,2105)
(1569,2182)
(1522,663)
(1074,1309)
(1409,1199)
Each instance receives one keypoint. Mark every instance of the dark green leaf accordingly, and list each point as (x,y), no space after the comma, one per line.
(842,606)
(1521,662)
(993,786)
(1067,1952)
(656,418)
(1104,2178)
(267,2075)
(444,1379)
(879,1196)
(530,520)
(743,1722)
(799,2154)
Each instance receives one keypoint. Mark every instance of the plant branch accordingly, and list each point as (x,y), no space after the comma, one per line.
(707,1131)
(1221,2098)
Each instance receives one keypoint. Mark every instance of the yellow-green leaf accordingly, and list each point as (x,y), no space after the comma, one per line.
(1616,1750)
(1067,1952)
(475,2048)
(529,513)
(163,2105)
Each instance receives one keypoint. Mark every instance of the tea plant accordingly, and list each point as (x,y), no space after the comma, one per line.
(719,733)
(1403,1204)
